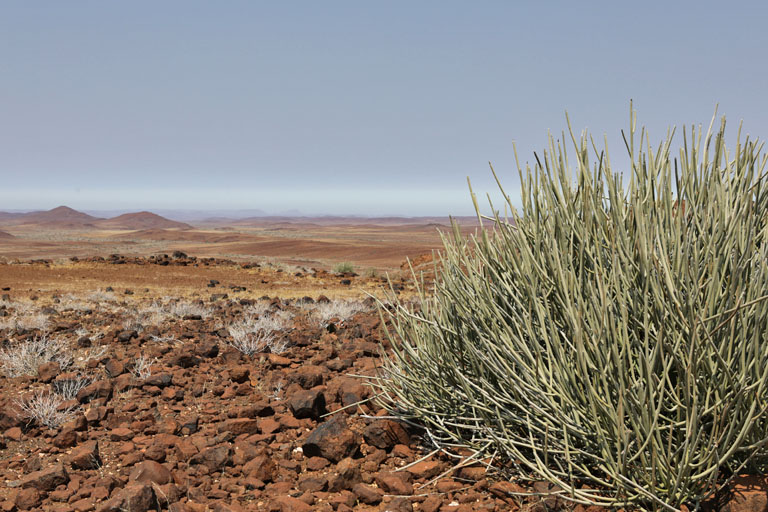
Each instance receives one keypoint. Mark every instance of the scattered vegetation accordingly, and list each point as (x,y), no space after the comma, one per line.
(254,334)
(68,389)
(24,358)
(46,409)
(184,309)
(610,337)
(142,367)
(344,268)
(342,310)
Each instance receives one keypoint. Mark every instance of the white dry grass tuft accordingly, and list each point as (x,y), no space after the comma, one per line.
(248,341)
(253,334)
(182,309)
(142,367)
(99,296)
(69,388)
(25,357)
(326,311)
(46,409)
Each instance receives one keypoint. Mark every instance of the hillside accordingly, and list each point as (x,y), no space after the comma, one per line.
(140,220)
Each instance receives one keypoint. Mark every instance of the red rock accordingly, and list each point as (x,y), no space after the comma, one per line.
(398,505)
(124,382)
(13,434)
(344,498)
(85,456)
(239,374)
(114,368)
(150,471)
(317,463)
(268,425)
(65,439)
(346,476)
(185,450)
(213,458)
(505,489)
(121,434)
(133,498)
(308,376)
(157,451)
(240,426)
(425,469)
(367,494)
(393,483)
(278,360)
(290,504)
(46,479)
(94,390)
(261,468)
(83,505)
(748,494)
(313,483)
(431,504)
(46,372)
(27,499)
(402,451)
(473,473)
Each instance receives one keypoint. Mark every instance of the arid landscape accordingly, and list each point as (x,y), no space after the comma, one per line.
(137,372)
(369,244)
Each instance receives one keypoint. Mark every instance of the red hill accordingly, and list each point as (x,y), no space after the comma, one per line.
(63,216)
(4,235)
(141,220)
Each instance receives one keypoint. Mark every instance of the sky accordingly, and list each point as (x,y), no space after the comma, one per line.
(346,107)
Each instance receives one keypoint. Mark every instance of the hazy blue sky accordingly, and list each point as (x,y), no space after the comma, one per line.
(345,107)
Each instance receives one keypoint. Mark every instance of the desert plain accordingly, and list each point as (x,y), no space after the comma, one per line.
(151,364)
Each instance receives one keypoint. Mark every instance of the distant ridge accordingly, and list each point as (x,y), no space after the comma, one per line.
(141,220)
(66,217)
(4,235)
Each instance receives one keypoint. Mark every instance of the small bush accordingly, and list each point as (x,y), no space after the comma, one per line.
(324,312)
(344,268)
(25,357)
(611,336)
(69,388)
(46,409)
(253,335)
(182,309)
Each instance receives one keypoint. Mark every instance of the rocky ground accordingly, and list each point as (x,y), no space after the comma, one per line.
(123,401)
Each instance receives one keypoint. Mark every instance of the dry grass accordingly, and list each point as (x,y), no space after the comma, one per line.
(336,309)
(69,388)
(46,409)
(25,357)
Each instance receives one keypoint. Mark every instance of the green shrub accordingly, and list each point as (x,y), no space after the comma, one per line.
(343,268)
(609,337)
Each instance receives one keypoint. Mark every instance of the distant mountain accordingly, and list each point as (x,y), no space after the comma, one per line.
(63,216)
(140,220)
(4,235)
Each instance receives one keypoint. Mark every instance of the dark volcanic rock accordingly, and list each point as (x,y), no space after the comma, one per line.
(307,404)
(332,440)
(385,434)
